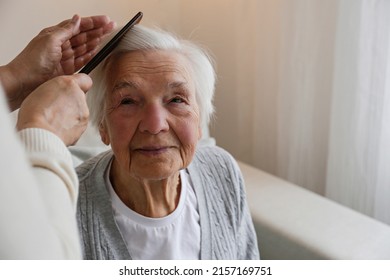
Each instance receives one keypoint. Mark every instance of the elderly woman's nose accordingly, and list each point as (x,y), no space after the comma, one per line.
(154,119)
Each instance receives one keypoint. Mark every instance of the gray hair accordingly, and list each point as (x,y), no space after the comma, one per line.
(143,38)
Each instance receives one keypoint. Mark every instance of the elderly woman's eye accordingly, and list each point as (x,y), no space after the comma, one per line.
(177,100)
(127,101)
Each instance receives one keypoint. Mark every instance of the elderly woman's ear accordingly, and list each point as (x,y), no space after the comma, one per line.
(103,134)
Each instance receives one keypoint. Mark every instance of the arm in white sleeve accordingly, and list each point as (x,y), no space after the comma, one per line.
(38,191)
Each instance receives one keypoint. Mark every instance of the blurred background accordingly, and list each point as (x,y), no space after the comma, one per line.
(303,85)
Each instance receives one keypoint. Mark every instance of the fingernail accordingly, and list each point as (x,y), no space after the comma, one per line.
(75,18)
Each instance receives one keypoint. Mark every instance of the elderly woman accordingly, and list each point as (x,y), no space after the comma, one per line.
(157,194)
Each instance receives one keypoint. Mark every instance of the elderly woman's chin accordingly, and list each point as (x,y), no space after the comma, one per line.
(158,168)
(156,171)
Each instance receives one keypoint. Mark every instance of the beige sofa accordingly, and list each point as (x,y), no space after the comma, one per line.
(293,223)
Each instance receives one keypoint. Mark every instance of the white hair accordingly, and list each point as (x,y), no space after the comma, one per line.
(143,38)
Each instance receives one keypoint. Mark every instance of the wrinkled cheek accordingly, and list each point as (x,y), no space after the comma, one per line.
(188,155)
(190,132)
(122,130)
(120,145)
(122,156)
(189,148)
(189,136)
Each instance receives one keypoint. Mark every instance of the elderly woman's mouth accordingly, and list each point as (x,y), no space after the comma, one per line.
(151,151)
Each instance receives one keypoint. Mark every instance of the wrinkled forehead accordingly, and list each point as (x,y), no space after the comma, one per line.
(148,63)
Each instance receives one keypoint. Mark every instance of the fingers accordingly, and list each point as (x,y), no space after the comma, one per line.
(90,36)
(83,81)
(72,64)
(94,22)
(79,49)
(91,28)
(80,31)
(87,36)
(59,106)
(65,30)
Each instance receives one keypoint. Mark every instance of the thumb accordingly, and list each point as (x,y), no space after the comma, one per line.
(74,24)
(83,80)
(67,29)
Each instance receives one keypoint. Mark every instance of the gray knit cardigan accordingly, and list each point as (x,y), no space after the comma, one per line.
(227,230)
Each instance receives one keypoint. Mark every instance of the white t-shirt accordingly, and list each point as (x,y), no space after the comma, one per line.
(173,237)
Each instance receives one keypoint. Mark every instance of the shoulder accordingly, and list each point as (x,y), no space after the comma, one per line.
(215,166)
(211,152)
(92,165)
(215,157)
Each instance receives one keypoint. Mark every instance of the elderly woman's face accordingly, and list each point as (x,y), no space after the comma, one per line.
(152,118)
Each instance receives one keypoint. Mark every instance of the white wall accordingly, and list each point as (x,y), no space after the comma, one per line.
(222,26)
(21,19)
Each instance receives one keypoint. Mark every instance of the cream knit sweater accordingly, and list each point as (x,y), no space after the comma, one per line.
(38,192)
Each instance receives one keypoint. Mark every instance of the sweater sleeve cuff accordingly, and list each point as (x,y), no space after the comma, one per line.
(45,149)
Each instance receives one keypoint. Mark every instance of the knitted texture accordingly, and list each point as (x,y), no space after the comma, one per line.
(45,149)
(227,230)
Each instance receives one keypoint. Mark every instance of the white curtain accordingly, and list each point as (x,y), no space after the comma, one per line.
(359,144)
(312,96)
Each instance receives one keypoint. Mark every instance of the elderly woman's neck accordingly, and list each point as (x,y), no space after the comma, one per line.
(150,198)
